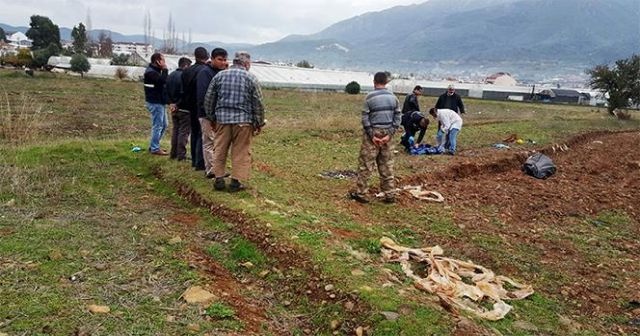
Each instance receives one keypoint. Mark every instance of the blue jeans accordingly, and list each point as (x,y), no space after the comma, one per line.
(159,124)
(450,142)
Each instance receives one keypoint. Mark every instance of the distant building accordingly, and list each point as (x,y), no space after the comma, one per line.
(563,96)
(132,48)
(18,40)
(501,79)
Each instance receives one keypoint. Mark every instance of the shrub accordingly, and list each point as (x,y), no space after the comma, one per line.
(352,88)
(80,63)
(121,73)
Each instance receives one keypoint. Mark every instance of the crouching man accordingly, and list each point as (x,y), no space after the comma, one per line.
(450,125)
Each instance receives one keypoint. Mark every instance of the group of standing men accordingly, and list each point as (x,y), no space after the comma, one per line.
(218,107)
(382,117)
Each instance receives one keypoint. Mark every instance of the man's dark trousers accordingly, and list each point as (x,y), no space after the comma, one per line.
(180,134)
(197,158)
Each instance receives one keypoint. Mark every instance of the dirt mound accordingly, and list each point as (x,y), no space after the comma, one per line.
(599,173)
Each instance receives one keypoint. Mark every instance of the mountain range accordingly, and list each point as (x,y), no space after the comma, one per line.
(529,38)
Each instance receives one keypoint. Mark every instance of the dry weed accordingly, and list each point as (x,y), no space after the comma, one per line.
(21,119)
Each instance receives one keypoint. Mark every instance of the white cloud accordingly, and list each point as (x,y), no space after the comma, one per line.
(253,21)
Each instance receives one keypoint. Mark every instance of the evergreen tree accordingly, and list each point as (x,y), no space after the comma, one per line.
(79,35)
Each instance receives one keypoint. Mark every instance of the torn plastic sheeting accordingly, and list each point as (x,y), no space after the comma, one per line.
(418,193)
(424,195)
(446,279)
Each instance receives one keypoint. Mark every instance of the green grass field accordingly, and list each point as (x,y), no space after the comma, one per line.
(84,220)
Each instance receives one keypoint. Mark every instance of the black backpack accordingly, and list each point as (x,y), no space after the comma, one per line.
(539,166)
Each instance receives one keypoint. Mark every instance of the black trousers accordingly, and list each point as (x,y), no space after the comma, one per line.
(180,134)
(197,158)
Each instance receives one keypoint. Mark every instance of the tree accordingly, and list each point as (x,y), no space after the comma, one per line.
(621,82)
(80,63)
(43,33)
(304,64)
(122,59)
(24,57)
(352,88)
(41,56)
(79,35)
(105,45)
(3,36)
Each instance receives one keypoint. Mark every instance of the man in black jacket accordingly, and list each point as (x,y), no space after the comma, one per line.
(217,64)
(411,101)
(155,77)
(179,115)
(190,103)
(450,100)
(413,122)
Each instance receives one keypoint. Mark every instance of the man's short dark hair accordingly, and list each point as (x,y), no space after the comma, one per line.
(381,78)
(155,58)
(218,52)
(417,88)
(183,61)
(433,111)
(201,54)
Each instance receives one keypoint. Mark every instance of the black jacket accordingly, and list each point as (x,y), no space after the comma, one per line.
(411,124)
(453,102)
(410,104)
(154,81)
(189,98)
(174,88)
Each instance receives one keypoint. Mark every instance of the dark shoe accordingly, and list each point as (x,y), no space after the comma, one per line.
(236,186)
(209,175)
(389,200)
(159,152)
(358,198)
(219,184)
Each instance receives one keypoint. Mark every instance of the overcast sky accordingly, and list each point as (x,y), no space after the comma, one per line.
(252,21)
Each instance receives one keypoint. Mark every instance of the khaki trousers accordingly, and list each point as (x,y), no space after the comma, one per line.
(208,136)
(236,137)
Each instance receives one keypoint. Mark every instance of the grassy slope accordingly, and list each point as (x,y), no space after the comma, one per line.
(78,195)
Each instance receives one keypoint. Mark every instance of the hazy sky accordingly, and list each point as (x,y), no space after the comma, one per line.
(253,21)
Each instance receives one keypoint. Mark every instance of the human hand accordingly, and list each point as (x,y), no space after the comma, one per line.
(257,130)
(173,108)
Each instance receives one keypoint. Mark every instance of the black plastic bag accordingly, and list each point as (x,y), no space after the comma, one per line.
(539,166)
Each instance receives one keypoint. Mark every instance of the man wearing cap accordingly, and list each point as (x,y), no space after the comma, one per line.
(234,103)
(179,115)
(411,101)
(450,100)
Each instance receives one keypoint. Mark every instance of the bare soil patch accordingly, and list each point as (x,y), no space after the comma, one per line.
(599,173)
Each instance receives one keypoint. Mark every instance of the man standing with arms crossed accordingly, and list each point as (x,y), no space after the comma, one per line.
(380,120)
(218,63)
(234,103)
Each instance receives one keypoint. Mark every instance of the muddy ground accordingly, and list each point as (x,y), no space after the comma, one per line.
(490,196)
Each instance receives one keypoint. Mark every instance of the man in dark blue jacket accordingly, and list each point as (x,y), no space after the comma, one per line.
(191,104)
(217,64)
(179,115)
(155,77)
